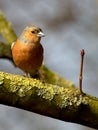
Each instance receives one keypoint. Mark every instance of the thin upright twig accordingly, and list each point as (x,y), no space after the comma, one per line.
(82,52)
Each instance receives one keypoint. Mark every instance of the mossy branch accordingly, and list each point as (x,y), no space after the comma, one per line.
(60,102)
(52,96)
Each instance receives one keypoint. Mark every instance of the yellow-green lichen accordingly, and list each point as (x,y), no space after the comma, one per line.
(68,97)
(79,99)
(46,92)
(25,87)
(43,90)
(62,97)
(1,78)
(15,83)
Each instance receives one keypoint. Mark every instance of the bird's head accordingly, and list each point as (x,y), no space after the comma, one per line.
(32,34)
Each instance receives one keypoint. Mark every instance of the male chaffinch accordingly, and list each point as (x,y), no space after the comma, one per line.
(27,52)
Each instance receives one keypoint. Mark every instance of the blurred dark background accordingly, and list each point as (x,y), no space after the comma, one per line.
(69,26)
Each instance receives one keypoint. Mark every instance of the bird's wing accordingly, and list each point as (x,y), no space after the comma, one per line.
(12,44)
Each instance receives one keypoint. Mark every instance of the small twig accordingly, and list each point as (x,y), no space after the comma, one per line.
(82,52)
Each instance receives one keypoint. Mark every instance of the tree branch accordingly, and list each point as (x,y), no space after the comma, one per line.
(5,51)
(9,35)
(6,30)
(60,102)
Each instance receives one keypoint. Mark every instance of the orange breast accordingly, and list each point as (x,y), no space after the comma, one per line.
(27,56)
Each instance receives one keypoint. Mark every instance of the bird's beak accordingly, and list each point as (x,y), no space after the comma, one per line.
(40,34)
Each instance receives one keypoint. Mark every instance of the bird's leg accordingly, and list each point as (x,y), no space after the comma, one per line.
(35,74)
(27,75)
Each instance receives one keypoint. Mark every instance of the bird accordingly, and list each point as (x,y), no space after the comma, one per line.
(27,51)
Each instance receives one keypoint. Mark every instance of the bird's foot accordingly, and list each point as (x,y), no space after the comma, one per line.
(27,75)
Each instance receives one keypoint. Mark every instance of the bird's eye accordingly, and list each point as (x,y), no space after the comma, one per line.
(32,31)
